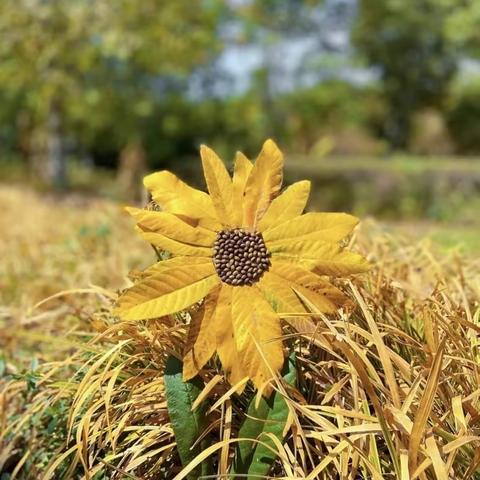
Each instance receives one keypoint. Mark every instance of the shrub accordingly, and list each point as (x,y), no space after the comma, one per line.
(463,115)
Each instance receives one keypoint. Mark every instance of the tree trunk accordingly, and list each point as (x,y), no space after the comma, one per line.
(46,153)
(56,160)
(132,167)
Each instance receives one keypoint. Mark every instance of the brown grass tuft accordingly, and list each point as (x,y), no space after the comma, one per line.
(388,389)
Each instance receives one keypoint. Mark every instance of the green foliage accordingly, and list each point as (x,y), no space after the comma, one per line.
(95,62)
(187,425)
(326,109)
(268,418)
(117,73)
(462,24)
(403,188)
(416,60)
(300,118)
(463,115)
(30,376)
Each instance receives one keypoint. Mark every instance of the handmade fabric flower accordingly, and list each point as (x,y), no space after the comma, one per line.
(248,252)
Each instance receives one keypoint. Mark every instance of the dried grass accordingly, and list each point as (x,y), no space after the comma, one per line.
(388,390)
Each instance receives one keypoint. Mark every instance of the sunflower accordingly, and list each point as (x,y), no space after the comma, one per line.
(247,250)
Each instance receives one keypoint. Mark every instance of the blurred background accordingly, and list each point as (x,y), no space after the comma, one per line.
(376,101)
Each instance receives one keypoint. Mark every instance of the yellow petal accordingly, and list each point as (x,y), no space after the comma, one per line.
(223,329)
(175,262)
(174,247)
(289,204)
(167,292)
(320,292)
(200,343)
(284,300)
(279,294)
(243,167)
(257,334)
(306,249)
(327,227)
(218,182)
(263,184)
(321,257)
(342,264)
(172,227)
(177,197)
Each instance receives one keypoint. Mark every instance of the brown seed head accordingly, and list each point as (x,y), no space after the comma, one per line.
(240,257)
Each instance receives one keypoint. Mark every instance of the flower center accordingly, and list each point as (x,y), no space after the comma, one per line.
(240,257)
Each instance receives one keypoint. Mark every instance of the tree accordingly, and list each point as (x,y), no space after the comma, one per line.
(76,67)
(462,25)
(407,42)
(267,24)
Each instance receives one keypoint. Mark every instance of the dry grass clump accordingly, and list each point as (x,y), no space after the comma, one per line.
(54,250)
(389,389)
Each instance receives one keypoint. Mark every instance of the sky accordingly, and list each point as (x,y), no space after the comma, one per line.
(295,59)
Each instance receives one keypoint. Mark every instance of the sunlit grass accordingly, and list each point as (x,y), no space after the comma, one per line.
(391,384)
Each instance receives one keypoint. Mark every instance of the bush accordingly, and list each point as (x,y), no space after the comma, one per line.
(326,109)
(463,115)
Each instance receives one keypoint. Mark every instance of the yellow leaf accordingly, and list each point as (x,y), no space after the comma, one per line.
(263,184)
(177,197)
(257,334)
(172,227)
(226,348)
(321,257)
(342,264)
(218,182)
(167,292)
(175,247)
(304,263)
(200,343)
(305,250)
(174,262)
(327,227)
(283,299)
(243,167)
(321,293)
(289,204)
(279,294)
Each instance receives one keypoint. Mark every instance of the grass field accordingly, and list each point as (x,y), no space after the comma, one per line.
(390,389)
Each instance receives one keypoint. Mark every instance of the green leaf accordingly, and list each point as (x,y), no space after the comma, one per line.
(270,417)
(187,425)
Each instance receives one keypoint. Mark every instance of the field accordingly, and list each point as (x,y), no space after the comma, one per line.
(388,389)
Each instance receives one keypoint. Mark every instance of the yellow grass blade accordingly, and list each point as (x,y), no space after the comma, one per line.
(437,462)
(206,391)
(424,408)
(227,413)
(383,352)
